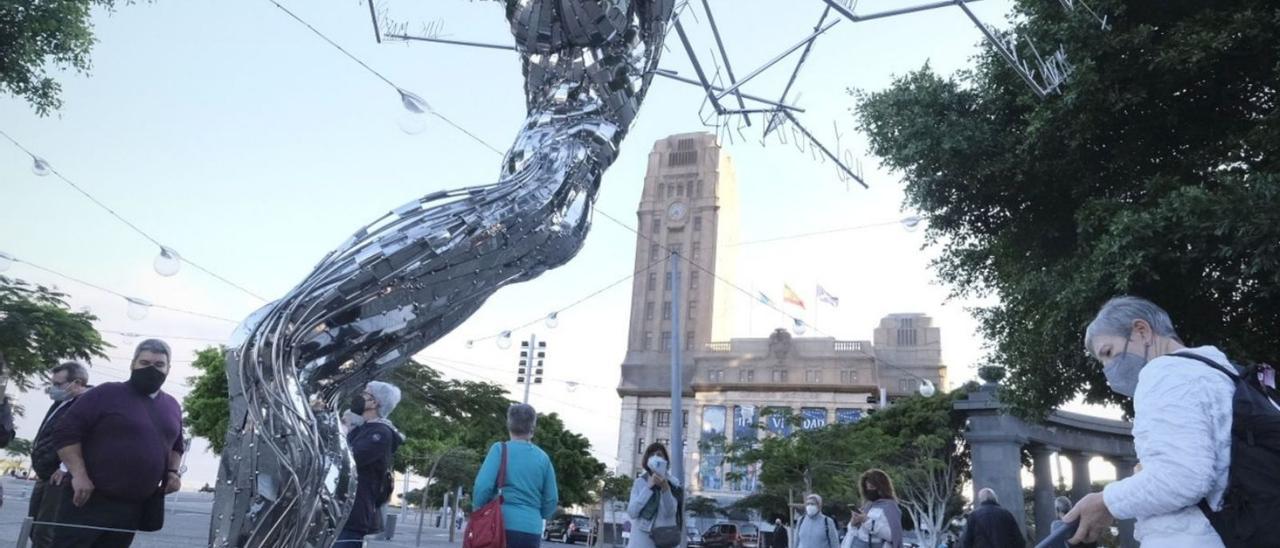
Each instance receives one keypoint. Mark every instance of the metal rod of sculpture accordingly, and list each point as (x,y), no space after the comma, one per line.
(286,478)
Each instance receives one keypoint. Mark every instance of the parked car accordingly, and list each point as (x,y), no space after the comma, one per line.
(731,535)
(695,538)
(569,529)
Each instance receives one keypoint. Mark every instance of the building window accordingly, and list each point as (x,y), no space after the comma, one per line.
(688,340)
(697,222)
(779,375)
(648,310)
(679,190)
(666,341)
(715,375)
(693,307)
(684,154)
(666,310)
(697,253)
(640,446)
(657,225)
(648,340)
(641,418)
(662,419)
(849,376)
(693,281)
(685,422)
(906,385)
(653,252)
(677,248)
(653,281)
(813,376)
(699,189)
(747,375)
(906,337)
(662,441)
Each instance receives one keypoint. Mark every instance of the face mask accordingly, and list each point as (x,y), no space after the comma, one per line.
(658,465)
(59,394)
(1122,371)
(873,494)
(811,509)
(358,404)
(147,380)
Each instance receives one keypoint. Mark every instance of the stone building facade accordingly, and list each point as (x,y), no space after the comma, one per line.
(737,388)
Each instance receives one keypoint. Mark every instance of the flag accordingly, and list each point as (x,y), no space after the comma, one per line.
(790,296)
(827,297)
(760,296)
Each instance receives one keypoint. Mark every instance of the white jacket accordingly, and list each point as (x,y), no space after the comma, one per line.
(1182,434)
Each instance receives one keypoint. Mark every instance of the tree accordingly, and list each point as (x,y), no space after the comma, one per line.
(577,472)
(19,447)
(703,507)
(39,35)
(207,409)
(1154,173)
(615,489)
(38,328)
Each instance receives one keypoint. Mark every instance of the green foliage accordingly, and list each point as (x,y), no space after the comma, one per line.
(577,472)
(616,486)
(207,410)
(19,447)
(38,37)
(703,507)
(1153,174)
(38,329)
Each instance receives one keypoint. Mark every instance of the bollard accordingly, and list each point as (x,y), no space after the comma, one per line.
(24,534)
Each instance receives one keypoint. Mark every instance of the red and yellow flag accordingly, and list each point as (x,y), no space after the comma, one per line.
(790,296)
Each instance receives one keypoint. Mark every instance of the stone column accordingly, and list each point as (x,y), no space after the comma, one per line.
(997,464)
(1081,485)
(1043,493)
(1124,468)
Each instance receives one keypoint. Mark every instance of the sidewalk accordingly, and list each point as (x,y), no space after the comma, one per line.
(187,523)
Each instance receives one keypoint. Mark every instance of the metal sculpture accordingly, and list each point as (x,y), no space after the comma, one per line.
(412,276)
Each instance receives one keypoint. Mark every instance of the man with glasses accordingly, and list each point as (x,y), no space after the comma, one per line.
(66,383)
(122,444)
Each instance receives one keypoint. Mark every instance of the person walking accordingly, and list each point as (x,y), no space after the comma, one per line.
(529,493)
(1061,507)
(878,523)
(816,530)
(373,440)
(122,445)
(67,382)
(1182,415)
(779,535)
(991,526)
(655,500)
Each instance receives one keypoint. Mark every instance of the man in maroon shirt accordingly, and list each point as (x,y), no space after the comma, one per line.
(121,442)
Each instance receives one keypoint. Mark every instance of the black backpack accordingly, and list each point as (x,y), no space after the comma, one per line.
(1251,505)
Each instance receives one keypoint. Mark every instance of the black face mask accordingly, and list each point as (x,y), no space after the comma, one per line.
(873,494)
(147,380)
(357,404)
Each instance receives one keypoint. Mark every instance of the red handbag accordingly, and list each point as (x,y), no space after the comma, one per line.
(486,528)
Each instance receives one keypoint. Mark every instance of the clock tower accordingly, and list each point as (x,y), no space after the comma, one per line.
(690,205)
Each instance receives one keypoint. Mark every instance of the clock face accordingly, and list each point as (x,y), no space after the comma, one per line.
(676,211)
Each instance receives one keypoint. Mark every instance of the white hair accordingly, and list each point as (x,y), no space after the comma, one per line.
(388,396)
(987,495)
(816,498)
(1117,316)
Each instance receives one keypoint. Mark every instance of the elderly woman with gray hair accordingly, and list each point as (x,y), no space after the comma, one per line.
(1181,428)
(529,492)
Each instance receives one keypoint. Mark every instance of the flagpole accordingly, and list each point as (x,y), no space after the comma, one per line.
(817,303)
(751,313)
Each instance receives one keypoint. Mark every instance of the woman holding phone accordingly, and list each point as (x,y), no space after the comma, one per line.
(878,524)
(654,504)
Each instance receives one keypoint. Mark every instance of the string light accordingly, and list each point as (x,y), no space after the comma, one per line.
(167,262)
(40,167)
(799,327)
(504,340)
(138,308)
(911,223)
(927,389)
(553,320)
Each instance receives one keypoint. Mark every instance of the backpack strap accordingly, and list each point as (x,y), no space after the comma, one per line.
(502,472)
(1234,375)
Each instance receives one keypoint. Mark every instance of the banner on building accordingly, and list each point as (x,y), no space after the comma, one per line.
(777,420)
(711,470)
(745,434)
(846,416)
(814,418)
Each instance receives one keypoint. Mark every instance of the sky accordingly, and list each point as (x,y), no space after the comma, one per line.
(237,137)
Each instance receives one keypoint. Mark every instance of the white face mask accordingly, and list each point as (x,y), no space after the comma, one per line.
(658,466)
(811,509)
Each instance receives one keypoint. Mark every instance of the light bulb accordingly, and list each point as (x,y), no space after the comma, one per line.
(40,167)
(573,386)
(413,120)
(927,389)
(553,320)
(504,340)
(6,261)
(168,262)
(910,224)
(800,327)
(470,344)
(138,308)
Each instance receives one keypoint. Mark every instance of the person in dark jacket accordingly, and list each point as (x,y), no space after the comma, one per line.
(66,383)
(373,441)
(779,535)
(991,526)
(122,444)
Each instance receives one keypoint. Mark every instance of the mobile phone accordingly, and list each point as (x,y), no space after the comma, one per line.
(660,470)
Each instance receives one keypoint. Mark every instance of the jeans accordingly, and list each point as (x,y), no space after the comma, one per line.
(516,539)
(352,538)
(99,511)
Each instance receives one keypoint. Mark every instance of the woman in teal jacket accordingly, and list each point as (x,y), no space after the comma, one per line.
(529,493)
